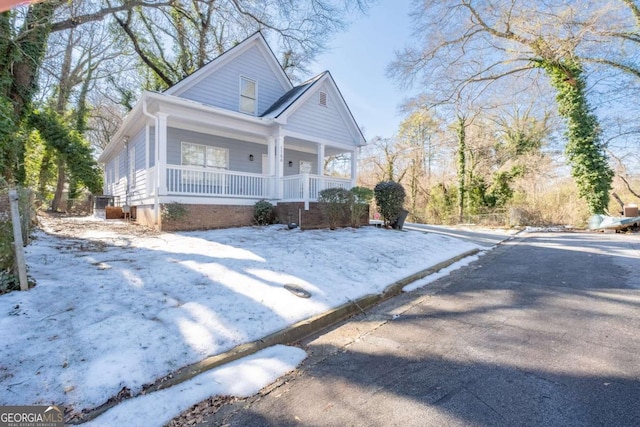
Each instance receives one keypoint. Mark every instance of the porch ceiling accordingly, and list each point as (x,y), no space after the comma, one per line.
(299,144)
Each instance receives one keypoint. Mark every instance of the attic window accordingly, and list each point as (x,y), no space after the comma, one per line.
(323,99)
(248,95)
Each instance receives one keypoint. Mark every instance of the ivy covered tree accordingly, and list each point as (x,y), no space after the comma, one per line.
(482,45)
(70,145)
(584,149)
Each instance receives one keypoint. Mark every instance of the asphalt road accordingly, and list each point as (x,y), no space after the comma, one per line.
(541,331)
(485,237)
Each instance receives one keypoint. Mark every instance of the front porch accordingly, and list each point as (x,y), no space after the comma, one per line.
(199,182)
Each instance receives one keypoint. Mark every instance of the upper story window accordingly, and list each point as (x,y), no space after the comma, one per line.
(248,95)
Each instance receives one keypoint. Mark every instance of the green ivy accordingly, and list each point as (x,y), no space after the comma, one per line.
(71,146)
(584,150)
(9,149)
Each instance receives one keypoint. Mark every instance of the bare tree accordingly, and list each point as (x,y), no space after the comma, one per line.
(470,45)
(175,41)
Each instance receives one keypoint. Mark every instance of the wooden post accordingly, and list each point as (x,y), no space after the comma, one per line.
(17,240)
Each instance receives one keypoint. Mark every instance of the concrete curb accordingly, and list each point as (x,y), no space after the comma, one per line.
(287,336)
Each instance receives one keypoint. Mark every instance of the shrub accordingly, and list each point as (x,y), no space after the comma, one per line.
(263,212)
(334,205)
(174,211)
(8,282)
(389,198)
(360,199)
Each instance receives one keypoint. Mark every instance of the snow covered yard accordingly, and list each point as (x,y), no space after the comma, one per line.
(114,311)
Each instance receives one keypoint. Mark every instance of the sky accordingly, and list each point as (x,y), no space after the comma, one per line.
(114,310)
(358,59)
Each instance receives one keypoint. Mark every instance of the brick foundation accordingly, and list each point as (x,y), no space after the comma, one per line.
(313,218)
(205,217)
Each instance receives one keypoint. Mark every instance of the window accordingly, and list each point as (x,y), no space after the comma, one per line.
(323,99)
(248,95)
(204,156)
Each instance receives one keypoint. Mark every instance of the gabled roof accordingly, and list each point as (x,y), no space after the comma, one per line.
(296,97)
(257,39)
(290,97)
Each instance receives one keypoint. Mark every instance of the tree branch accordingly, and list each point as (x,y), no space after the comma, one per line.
(75,21)
(127,29)
(629,186)
(626,68)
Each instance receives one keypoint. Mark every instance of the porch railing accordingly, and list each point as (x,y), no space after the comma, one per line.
(306,187)
(200,182)
(182,180)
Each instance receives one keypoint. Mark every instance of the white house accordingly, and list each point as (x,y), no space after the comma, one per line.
(232,133)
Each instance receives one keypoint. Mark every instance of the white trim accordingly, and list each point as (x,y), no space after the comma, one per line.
(200,200)
(316,140)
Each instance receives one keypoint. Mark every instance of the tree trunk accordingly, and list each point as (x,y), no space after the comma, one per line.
(57,198)
(462,165)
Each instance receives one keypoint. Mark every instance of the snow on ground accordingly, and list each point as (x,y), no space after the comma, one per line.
(442,273)
(242,378)
(113,310)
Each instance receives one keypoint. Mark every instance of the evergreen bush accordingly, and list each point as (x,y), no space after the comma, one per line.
(263,212)
(389,199)
(360,199)
(334,205)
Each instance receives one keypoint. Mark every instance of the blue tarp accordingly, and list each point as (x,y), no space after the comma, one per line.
(602,222)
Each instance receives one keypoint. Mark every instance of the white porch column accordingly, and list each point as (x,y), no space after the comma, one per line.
(321,159)
(271,155)
(161,146)
(354,167)
(279,165)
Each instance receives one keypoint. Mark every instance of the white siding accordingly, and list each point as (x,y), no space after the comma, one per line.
(321,121)
(138,144)
(222,88)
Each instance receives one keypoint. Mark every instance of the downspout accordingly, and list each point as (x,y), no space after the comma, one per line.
(156,203)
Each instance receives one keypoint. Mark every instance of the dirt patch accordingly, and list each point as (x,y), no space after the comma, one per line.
(78,227)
